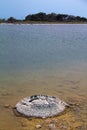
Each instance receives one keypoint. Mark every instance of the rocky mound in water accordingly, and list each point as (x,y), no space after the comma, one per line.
(41,106)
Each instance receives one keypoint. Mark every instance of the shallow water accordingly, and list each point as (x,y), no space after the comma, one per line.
(43,59)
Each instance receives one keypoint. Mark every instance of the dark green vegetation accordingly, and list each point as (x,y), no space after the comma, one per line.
(2,20)
(43,17)
(54,17)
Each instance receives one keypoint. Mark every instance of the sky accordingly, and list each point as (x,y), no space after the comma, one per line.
(21,8)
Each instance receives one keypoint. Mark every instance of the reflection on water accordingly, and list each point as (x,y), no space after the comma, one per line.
(49,59)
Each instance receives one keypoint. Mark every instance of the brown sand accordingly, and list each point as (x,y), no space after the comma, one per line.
(71,88)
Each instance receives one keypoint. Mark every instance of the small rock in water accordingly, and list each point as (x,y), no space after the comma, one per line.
(23,124)
(6,106)
(38,126)
(41,106)
(52,126)
(64,127)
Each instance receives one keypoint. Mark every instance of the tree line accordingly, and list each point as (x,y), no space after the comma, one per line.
(43,17)
(53,17)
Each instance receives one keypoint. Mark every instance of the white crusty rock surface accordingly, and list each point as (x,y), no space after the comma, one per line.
(41,106)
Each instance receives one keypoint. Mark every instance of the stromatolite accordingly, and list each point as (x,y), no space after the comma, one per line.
(41,106)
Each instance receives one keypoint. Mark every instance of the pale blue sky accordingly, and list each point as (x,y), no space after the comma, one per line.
(21,8)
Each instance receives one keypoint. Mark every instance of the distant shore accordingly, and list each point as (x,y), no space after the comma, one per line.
(43,18)
(41,22)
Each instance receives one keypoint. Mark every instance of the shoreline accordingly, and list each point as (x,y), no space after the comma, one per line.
(42,23)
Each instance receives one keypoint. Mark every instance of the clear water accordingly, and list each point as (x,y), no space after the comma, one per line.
(46,59)
(27,48)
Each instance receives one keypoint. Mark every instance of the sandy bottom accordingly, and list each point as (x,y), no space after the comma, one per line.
(70,87)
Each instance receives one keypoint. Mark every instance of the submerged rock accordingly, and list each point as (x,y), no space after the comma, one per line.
(38,126)
(7,106)
(52,126)
(41,106)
